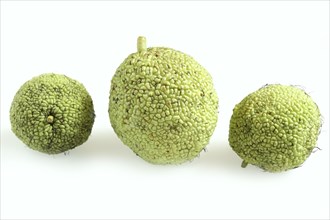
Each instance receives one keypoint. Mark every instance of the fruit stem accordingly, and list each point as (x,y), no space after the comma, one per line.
(50,119)
(244,164)
(141,44)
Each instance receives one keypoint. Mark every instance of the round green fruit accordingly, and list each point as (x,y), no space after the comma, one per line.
(163,105)
(52,113)
(275,128)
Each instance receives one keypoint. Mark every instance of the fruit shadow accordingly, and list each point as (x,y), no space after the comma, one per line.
(105,144)
(219,156)
(102,144)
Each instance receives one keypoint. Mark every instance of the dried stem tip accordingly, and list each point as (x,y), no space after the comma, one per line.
(50,119)
(141,44)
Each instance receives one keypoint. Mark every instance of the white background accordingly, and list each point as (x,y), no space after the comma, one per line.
(243,45)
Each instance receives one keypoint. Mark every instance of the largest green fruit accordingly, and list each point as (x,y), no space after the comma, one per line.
(163,105)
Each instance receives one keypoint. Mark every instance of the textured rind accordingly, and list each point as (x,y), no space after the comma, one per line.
(275,128)
(163,105)
(61,97)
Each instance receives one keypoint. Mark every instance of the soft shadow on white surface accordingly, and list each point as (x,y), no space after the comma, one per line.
(100,146)
(220,159)
(101,143)
(219,156)
(104,144)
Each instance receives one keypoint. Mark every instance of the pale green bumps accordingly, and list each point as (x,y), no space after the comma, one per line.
(163,105)
(275,128)
(52,113)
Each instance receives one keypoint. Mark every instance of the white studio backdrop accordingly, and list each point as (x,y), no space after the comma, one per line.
(243,44)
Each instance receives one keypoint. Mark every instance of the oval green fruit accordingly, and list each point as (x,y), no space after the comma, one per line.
(163,105)
(275,128)
(52,113)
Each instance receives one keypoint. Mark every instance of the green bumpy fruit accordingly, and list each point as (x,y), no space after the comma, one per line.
(52,113)
(275,128)
(163,105)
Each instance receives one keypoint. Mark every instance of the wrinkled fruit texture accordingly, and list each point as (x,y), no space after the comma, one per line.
(52,113)
(275,128)
(163,105)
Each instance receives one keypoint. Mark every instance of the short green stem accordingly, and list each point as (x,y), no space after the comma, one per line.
(244,164)
(141,44)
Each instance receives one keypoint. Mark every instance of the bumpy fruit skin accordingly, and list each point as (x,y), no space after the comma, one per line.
(163,105)
(52,113)
(275,128)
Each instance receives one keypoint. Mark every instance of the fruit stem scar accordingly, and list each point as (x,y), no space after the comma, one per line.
(50,119)
(244,164)
(141,44)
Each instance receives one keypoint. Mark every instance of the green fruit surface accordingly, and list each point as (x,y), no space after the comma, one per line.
(275,128)
(52,113)
(163,105)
